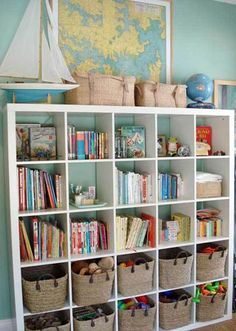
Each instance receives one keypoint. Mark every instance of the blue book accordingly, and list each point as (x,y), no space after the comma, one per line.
(165,187)
(80,138)
(173,187)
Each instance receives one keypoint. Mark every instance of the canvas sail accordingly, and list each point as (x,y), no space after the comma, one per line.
(22,57)
(25,57)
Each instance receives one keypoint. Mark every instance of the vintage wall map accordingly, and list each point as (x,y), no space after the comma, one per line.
(118,37)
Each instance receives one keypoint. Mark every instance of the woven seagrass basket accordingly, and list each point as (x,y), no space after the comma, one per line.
(174,315)
(41,322)
(155,94)
(98,89)
(138,278)
(211,265)
(44,288)
(211,307)
(175,267)
(101,323)
(136,320)
(92,289)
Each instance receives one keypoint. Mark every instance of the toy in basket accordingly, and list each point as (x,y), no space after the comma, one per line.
(136,314)
(92,281)
(96,317)
(175,267)
(211,301)
(135,274)
(211,262)
(175,309)
(48,322)
(44,288)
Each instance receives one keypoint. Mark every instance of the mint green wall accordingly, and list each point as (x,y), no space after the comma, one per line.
(203,41)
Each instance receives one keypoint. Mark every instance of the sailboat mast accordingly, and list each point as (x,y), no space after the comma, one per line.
(40,40)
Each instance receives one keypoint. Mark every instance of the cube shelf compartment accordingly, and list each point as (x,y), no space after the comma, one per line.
(101,173)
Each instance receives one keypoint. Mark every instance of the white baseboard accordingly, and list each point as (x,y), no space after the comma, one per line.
(6,325)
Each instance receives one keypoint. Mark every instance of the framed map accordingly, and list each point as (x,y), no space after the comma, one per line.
(118,37)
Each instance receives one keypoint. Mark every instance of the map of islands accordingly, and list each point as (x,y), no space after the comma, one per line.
(117,37)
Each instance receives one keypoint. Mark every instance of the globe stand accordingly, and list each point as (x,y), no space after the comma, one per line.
(201,105)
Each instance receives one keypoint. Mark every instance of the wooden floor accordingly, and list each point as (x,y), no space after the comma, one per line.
(226,326)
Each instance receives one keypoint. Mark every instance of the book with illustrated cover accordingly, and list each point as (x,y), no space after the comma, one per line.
(203,137)
(135,140)
(22,140)
(42,143)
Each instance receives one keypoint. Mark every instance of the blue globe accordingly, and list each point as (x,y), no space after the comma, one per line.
(199,87)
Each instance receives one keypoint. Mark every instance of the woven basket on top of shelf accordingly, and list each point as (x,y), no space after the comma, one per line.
(99,89)
(137,278)
(48,322)
(104,322)
(175,267)
(212,265)
(92,289)
(211,307)
(44,288)
(136,320)
(174,315)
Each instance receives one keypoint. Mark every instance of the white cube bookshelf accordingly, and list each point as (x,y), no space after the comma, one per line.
(101,173)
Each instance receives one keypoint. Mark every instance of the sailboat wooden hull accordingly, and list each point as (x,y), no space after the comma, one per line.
(30,92)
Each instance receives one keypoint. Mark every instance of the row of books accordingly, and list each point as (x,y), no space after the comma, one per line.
(35,142)
(133,188)
(132,231)
(130,142)
(88,235)
(178,228)
(38,189)
(170,186)
(41,240)
(209,223)
(86,144)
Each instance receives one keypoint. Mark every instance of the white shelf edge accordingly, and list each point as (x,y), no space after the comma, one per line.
(59,260)
(161,290)
(41,212)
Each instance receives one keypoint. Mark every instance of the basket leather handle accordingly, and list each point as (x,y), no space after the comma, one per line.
(179,254)
(214,295)
(182,296)
(217,249)
(133,312)
(144,261)
(92,275)
(50,276)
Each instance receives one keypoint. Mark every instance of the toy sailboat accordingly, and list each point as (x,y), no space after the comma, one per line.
(34,54)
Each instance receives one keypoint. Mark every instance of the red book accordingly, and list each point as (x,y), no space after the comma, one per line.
(204,135)
(23,251)
(152,229)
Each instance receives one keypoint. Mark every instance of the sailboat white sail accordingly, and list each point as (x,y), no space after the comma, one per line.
(31,54)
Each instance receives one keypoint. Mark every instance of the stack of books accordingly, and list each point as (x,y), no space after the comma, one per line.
(209,224)
(88,236)
(133,188)
(38,189)
(35,142)
(86,144)
(170,186)
(175,229)
(132,231)
(42,241)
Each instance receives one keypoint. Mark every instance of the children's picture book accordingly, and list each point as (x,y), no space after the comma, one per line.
(135,140)
(42,143)
(161,145)
(22,140)
(204,144)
